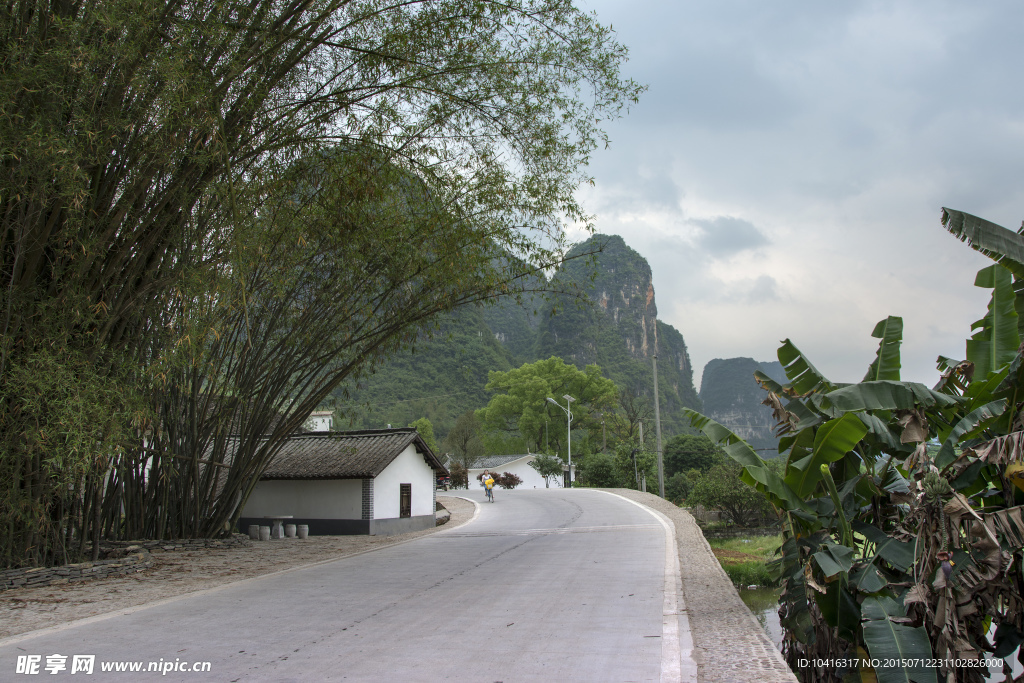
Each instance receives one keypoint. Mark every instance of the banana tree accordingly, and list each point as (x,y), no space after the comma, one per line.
(903,530)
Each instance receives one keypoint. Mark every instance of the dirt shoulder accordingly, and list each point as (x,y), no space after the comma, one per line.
(729,644)
(179,573)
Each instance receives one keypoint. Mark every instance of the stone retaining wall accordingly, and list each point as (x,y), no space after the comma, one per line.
(235,541)
(42,576)
(120,557)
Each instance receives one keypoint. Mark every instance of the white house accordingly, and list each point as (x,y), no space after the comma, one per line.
(320,421)
(376,482)
(516,464)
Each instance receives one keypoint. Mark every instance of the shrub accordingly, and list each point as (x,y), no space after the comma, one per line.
(720,488)
(599,471)
(677,487)
(508,480)
(460,477)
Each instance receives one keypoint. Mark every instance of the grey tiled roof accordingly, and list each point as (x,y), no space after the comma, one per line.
(344,455)
(491,461)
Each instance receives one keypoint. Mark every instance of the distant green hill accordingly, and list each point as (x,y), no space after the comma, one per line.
(733,398)
(621,332)
(442,379)
(618,330)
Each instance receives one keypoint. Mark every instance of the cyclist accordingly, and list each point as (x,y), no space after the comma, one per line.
(488,481)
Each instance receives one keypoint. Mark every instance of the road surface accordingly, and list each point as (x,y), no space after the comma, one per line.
(542,585)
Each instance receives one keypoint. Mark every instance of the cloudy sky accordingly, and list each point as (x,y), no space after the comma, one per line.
(784,173)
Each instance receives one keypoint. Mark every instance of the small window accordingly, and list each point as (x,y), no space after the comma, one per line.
(405,502)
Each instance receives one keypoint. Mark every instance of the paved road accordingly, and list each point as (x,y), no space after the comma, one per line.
(543,585)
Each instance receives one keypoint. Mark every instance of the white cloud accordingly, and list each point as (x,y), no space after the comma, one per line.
(785,172)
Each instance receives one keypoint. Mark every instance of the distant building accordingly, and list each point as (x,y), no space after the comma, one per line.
(376,482)
(516,464)
(320,421)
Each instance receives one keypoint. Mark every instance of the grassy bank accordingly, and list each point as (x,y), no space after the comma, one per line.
(745,560)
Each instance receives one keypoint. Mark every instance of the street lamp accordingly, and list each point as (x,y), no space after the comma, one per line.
(568,428)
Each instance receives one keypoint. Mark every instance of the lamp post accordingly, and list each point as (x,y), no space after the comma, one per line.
(568,428)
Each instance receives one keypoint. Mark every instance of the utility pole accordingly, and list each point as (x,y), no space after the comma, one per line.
(657,429)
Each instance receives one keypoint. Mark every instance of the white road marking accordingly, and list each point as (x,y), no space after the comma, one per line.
(555,530)
(677,664)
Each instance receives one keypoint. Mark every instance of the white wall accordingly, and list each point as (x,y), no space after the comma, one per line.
(319,422)
(408,468)
(309,499)
(522,469)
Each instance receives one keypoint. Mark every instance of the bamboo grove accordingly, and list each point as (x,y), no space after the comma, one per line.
(903,505)
(216,212)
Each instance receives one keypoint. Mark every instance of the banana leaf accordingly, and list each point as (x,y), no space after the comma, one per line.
(832,441)
(969,423)
(834,559)
(840,609)
(996,341)
(803,376)
(879,428)
(755,471)
(998,243)
(899,554)
(867,579)
(887,361)
(768,383)
(887,395)
(889,642)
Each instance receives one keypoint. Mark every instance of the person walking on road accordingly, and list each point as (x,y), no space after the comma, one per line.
(488,482)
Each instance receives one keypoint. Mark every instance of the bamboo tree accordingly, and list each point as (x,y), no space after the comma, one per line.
(146,149)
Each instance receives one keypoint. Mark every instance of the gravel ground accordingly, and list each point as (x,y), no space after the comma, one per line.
(178,573)
(729,644)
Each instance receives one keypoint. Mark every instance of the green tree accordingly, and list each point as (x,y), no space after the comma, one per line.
(520,405)
(463,441)
(688,451)
(426,432)
(720,488)
(159,156)
(634,464)
(598,470)
(548,466)
(679,485)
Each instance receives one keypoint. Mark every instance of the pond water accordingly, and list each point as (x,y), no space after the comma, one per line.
(764,603)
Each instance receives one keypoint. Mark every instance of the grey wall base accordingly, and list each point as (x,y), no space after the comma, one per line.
(402,525)
(350,527)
